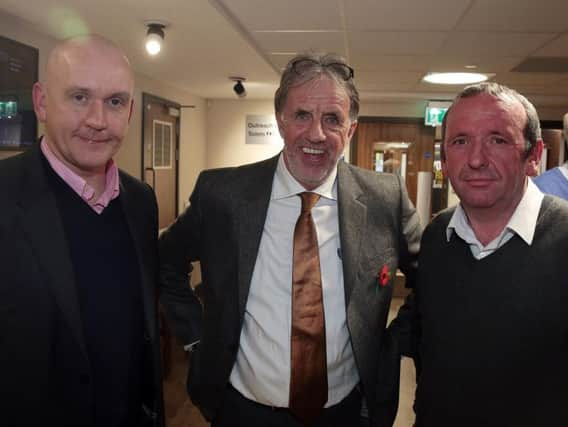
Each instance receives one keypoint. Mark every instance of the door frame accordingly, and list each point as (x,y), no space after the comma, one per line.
(147,97)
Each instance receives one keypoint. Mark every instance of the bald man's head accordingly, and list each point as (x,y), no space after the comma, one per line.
(85,102)
(81,49)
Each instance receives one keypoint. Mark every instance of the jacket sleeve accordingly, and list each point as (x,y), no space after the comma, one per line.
(178,247)
(404,329)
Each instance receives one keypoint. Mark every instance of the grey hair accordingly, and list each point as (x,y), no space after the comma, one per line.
(531,132)
(290,78)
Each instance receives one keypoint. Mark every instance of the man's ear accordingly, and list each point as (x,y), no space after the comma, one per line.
(533,159)
(352,128)
(39,94)
(280,124)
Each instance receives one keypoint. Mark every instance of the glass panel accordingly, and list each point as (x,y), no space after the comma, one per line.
(162,145)
(391,157)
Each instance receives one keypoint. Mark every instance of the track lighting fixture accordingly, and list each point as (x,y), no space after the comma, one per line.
(154,37)
(239,88)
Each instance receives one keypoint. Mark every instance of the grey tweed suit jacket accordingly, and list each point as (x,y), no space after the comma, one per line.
(222,228)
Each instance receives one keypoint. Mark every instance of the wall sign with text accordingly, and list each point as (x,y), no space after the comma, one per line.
(262,129)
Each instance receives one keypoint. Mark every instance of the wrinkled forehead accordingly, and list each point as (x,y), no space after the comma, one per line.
(320,92)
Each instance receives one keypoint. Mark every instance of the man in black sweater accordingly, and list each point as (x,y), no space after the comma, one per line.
(78,325)
(488,316)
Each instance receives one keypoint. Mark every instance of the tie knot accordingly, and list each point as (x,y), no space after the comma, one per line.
(309,200)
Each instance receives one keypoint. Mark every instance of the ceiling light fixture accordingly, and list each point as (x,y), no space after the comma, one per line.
(454,78)
(154,37)
(239,88)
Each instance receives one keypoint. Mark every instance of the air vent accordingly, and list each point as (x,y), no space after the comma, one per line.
(544,64)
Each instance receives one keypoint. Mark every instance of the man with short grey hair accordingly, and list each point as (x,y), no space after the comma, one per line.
(298,254)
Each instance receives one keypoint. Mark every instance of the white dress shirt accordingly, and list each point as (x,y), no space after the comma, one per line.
(564,169)
(522,223)
(262,369)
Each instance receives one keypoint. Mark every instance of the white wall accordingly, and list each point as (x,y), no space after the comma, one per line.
(226,133)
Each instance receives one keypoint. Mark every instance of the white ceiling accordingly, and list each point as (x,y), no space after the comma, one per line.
(390,43)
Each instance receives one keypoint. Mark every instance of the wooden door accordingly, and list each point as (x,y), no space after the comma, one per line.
(160,154)
(403,146)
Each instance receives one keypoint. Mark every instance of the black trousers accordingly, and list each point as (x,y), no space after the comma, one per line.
(238,411)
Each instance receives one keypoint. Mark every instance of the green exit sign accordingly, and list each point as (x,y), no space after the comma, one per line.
(435,112)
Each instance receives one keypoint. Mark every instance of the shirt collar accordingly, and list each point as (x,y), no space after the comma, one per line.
(285,185)
(564,169)
(522,222)
(79,185)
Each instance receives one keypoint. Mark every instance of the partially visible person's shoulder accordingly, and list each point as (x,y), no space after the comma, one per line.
(546,175)
(12,165)
(127,179)
(554,207)
(441,219)
(13,170)
(376,185)
(370,176)
(549,179)
(221,179)
(552,223)
(134,185)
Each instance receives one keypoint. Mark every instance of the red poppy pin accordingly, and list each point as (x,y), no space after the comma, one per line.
(383,277)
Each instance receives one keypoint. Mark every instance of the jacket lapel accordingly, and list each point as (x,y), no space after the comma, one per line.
(136,217)
(352,223)
(250,218)
(41,223)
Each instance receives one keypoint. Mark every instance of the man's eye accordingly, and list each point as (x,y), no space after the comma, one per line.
(116,102)
(332,120)
(80,98)
(302,116)
(497,140)
(458,141)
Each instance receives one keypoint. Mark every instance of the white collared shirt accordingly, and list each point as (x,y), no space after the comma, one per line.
(262,369)
(564,169)
(522,223)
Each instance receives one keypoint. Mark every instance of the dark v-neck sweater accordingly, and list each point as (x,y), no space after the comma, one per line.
(494,345)
(108,287)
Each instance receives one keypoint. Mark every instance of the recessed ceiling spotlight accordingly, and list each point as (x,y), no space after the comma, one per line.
(455,78)
(471,67)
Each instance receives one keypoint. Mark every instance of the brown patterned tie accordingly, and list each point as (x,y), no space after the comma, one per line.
(308,379)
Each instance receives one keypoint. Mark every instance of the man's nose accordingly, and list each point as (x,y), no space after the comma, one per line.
(315,131)
(96,117)
(477,154)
